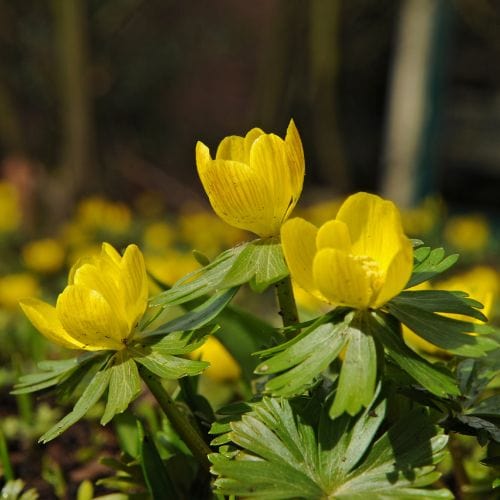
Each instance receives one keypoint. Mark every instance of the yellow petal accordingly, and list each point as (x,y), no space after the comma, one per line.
(45,320)
(397,275)
(334,234)
(223,366)
(104,282)
(238,196)
(295,158)
(232,148)
(134,284)
(109,251)
(202,156)
(374,225)
(298,239)
(250,138)
(342,279)
(88,316)
(270,161)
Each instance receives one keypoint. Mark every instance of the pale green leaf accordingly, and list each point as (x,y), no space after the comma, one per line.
(124,385)
(261,263)
(89,398)
(358,375)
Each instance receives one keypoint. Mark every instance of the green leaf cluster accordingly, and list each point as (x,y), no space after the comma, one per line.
(293,449)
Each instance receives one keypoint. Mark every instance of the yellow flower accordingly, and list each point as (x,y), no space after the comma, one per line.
(254,181)
(44,256)
(205,232)
(158,236)
(99,214)
(468,233)
(99,309)
(480,283)
(361,259)
(222,367)
(171,266)
(15,287)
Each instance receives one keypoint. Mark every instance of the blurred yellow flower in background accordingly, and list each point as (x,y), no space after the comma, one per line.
(44,256)
(422,219)
(468,233)
(10,209)
(158,236)
(319,213)
(207,233)
(98,214)
(480,283)
(361,259)
(255,181)
(14,287)
(99,309)
(223,366)
(170,266)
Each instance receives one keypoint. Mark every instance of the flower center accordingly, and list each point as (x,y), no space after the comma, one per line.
(372,271)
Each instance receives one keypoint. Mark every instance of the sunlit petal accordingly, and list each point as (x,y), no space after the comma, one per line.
(238,197)
(341,279)
(232,148)
(334,234)
(88,316)
(298,239)
(397,274)
(134,284)
(295,158)
(374,225)
(45,320)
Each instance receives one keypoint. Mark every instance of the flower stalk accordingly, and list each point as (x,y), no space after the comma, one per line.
(286,302)
(179,422)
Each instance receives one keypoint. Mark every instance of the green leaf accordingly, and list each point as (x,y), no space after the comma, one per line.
(281,455)
(441,301)
(435,379)
(124,385)
(199,282)
(155,474)
(302,361)
(489,407)
(197,317)
(358,375)
(261,263)
(162,357)
(54,373)
(429,263)
(89,398)
(448,333)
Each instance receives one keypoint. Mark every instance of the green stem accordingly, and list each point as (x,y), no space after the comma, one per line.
(286,301)
(179,422)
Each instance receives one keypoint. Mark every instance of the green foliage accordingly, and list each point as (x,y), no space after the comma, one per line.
(342,458)
(418,310)
(259,263)
(299,363)
(429,263)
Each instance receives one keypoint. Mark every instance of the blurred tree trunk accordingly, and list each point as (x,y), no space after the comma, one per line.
(78,171)
(414,101)
(324,59)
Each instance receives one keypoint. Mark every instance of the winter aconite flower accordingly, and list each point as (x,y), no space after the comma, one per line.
(360,259)
(99,309)
(254,181)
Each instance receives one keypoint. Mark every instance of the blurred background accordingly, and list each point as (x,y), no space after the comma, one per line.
(101,105)
(401,97)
